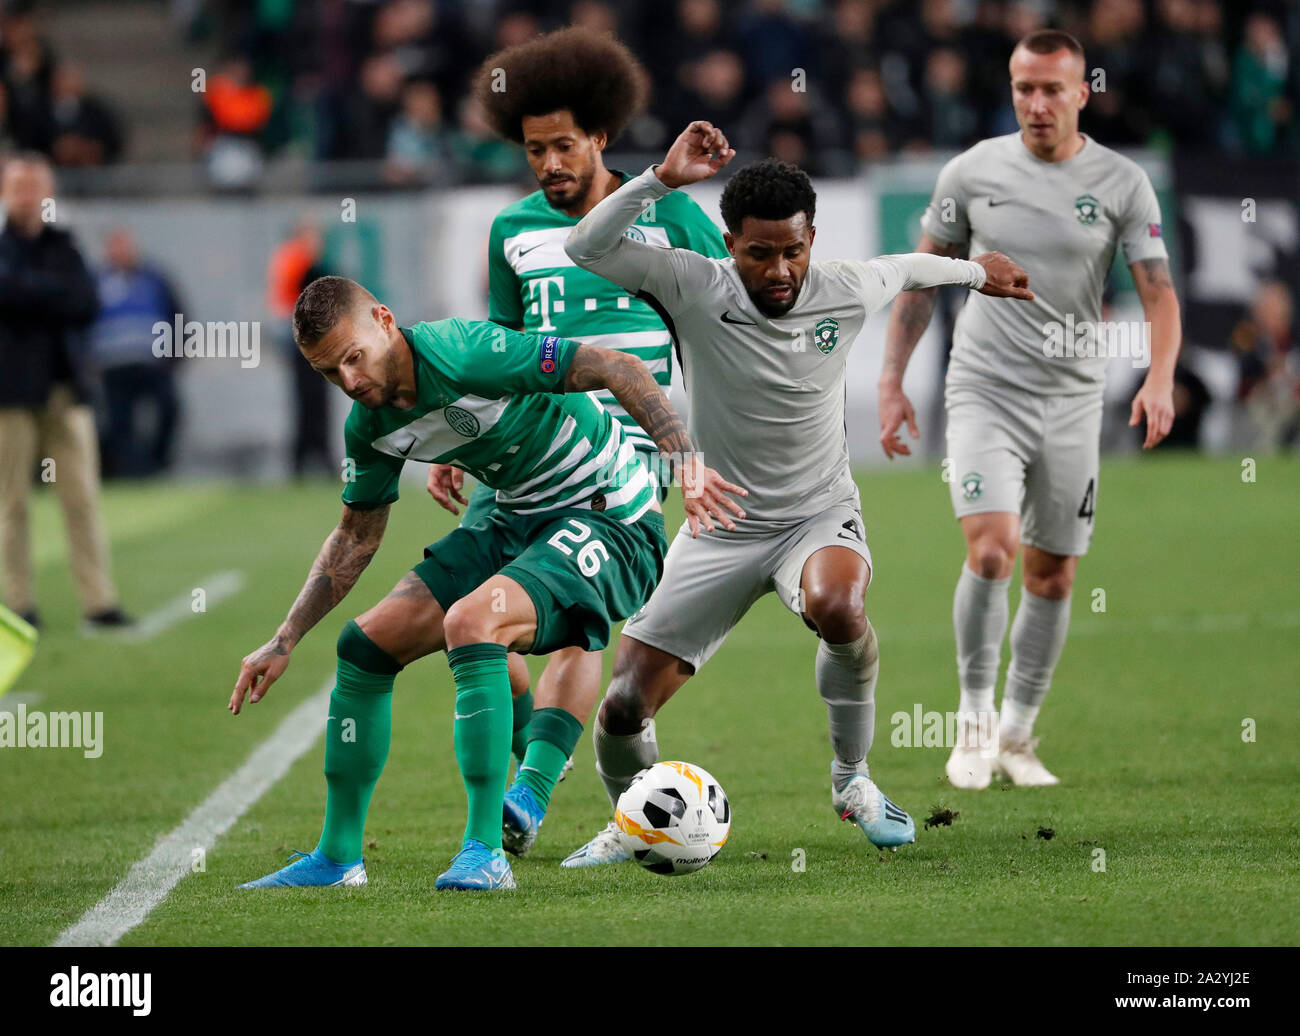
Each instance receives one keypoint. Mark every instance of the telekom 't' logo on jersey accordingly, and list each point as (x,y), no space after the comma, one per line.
(544,301)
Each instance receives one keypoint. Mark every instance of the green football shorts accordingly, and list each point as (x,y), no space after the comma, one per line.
(583,571)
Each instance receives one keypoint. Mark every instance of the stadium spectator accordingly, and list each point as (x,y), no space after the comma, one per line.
(1190,72)
(419,144)
(1119,50)
(295,264)
(47,299)
(953,121)
(84,128)
(873,129)
(796,126)
(235,111)
(139,388)
(26,66)
(1269,368)
(481,155)
(1261,112)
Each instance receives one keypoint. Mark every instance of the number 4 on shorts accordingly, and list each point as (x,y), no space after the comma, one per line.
(1088,508)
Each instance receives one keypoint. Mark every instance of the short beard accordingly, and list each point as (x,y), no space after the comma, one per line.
(583,190)
(767,309)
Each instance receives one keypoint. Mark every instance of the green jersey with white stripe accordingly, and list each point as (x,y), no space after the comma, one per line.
(533,285)
(491,401)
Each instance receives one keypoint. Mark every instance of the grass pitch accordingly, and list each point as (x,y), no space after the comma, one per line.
(1148,724)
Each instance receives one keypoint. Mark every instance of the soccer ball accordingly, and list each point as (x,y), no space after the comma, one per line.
(673,818)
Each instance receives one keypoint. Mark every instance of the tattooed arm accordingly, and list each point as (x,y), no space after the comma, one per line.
(1155,400)
(343,557)
(632,385)
(907,323)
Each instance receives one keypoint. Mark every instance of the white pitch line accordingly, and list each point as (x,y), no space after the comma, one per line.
(216,587)
(150,880)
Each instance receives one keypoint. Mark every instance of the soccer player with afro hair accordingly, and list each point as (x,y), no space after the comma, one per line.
(565,97)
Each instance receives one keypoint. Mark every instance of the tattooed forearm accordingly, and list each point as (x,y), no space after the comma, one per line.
(907,323)
(911,314)
(633,386)
(1154,274)
(338,566)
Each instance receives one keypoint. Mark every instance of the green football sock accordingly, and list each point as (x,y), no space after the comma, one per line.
(523,713)
(482,734)
(554,735)
(357,735)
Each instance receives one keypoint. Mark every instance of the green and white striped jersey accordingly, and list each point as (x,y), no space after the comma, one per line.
(533,285)
(491,401)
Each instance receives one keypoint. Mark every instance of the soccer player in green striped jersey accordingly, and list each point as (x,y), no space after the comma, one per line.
(575,544)
(563,97)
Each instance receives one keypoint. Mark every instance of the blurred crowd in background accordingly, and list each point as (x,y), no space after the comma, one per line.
(827,84)
(388,79)
(361,80)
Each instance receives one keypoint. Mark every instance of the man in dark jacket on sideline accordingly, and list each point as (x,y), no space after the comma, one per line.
(47,298)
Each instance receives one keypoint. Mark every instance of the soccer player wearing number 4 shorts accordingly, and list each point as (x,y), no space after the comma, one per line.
(763,338)
(578,543)
(1024,387)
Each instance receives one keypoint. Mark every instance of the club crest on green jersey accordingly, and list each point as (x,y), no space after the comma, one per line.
(1086,209)
(826,334)
(462,421)
(972,485)
(635,233)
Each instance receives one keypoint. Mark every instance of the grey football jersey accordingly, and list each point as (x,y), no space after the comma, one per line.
(766,395)
(1061,221)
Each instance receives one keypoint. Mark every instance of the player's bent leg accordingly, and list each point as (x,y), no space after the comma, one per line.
(566,694)
(834,582)
(645,677)
(980,615)
(479,628)
(357,736)
(1037,640)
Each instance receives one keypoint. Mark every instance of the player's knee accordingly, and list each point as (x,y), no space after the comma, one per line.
(624,707)
(467,622)
(355,647)
(992,558)
(1054,585)
(837,613)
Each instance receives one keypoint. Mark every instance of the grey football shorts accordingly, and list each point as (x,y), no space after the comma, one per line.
(710,582)
(1032,455)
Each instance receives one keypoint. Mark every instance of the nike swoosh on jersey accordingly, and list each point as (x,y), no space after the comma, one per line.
(999,201)
(524,251)
(408,449)
(728,319)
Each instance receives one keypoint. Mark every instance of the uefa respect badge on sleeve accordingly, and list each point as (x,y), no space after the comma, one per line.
(548,354)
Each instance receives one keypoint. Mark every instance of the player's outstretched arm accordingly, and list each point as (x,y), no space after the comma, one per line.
(1155,399)
(597,242)
(343,557)
(703,489)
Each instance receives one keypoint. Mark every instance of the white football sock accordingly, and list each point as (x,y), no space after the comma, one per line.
(1037,639)
(620,757)
(979,618)
(846,680)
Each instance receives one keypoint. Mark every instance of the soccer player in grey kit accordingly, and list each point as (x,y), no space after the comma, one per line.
(1024,413)
(763,336)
